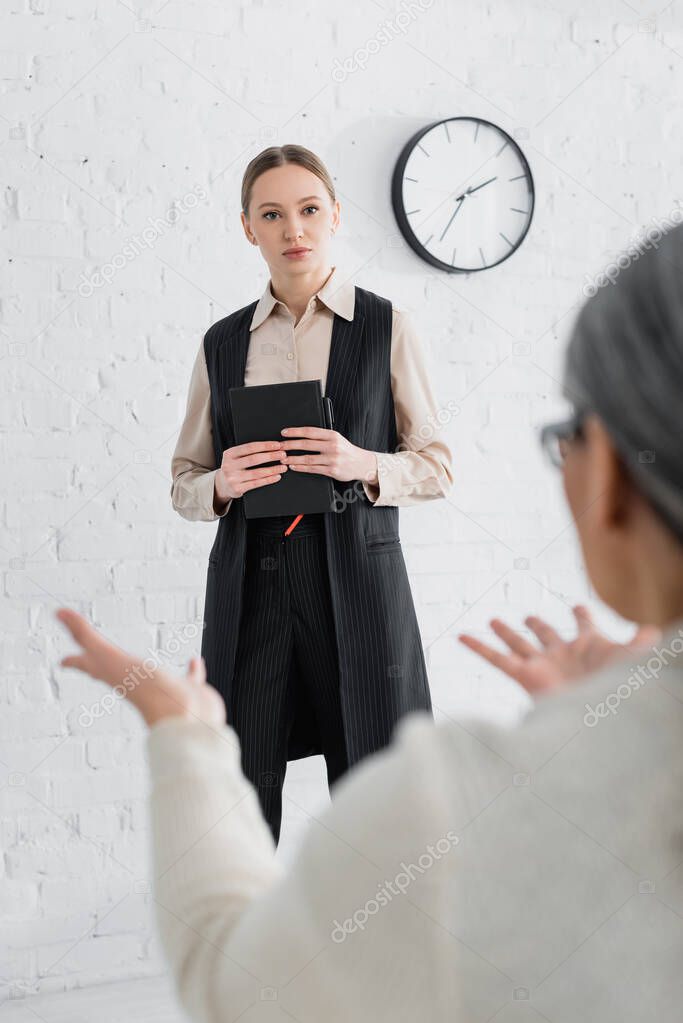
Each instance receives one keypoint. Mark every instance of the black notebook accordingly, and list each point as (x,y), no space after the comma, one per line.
(261,412)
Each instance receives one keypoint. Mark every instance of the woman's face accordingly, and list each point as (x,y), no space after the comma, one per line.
(290,207)
(607,516)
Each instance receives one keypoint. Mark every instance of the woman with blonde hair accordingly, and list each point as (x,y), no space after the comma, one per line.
(310,634)
(471,872)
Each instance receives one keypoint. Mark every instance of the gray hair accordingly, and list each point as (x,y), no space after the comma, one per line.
(624,362)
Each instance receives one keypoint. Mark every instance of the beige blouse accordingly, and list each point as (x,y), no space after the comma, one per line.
(280,351)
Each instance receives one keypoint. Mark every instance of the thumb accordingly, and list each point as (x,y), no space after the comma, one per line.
(196,672)
(645,635)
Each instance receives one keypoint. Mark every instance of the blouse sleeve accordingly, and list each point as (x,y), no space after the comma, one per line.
(421,467)
(193,463)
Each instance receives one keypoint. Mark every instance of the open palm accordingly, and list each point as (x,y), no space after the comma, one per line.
(557,661)
(156,692)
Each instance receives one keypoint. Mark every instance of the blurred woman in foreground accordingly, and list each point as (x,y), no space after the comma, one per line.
(470,872)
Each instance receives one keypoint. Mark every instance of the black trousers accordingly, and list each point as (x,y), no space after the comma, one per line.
(286,652)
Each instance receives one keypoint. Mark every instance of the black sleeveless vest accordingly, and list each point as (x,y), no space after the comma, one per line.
(382,669)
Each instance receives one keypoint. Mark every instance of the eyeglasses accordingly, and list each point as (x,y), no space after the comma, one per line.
(555,437)
(554,440)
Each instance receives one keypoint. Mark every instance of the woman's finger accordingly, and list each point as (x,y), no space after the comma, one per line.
(316,432)
(499,660)
(645,635)
(305,445)
(242,462)
(513,639)
(258,474)
(545,633)
(319,459)
(197,671)
(74,661)
(79,627)
(584,619)
(266,481)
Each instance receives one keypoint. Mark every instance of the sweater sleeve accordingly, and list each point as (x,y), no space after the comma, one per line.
(348,932)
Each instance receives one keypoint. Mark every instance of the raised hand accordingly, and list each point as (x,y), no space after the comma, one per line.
(556,662)
(156,692)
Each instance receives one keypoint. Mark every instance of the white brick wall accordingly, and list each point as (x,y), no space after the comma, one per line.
(112,112)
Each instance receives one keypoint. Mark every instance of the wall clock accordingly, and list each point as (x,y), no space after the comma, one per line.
(463,194)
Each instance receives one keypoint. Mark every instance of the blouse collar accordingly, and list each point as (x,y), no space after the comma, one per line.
(337,294)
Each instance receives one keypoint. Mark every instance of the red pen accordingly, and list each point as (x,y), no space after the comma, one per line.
(291,526)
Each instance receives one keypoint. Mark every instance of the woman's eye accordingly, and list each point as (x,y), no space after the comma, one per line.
(275,212)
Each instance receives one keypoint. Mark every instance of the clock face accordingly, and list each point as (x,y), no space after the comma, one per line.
(463,194)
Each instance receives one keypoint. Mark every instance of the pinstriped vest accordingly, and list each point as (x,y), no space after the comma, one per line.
(382,673)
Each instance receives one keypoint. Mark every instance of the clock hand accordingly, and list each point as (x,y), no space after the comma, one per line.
(460,202)
(470,190)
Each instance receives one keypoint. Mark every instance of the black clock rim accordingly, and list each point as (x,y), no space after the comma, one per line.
(399,209)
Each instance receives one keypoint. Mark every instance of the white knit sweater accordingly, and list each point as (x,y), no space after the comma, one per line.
(465,873)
